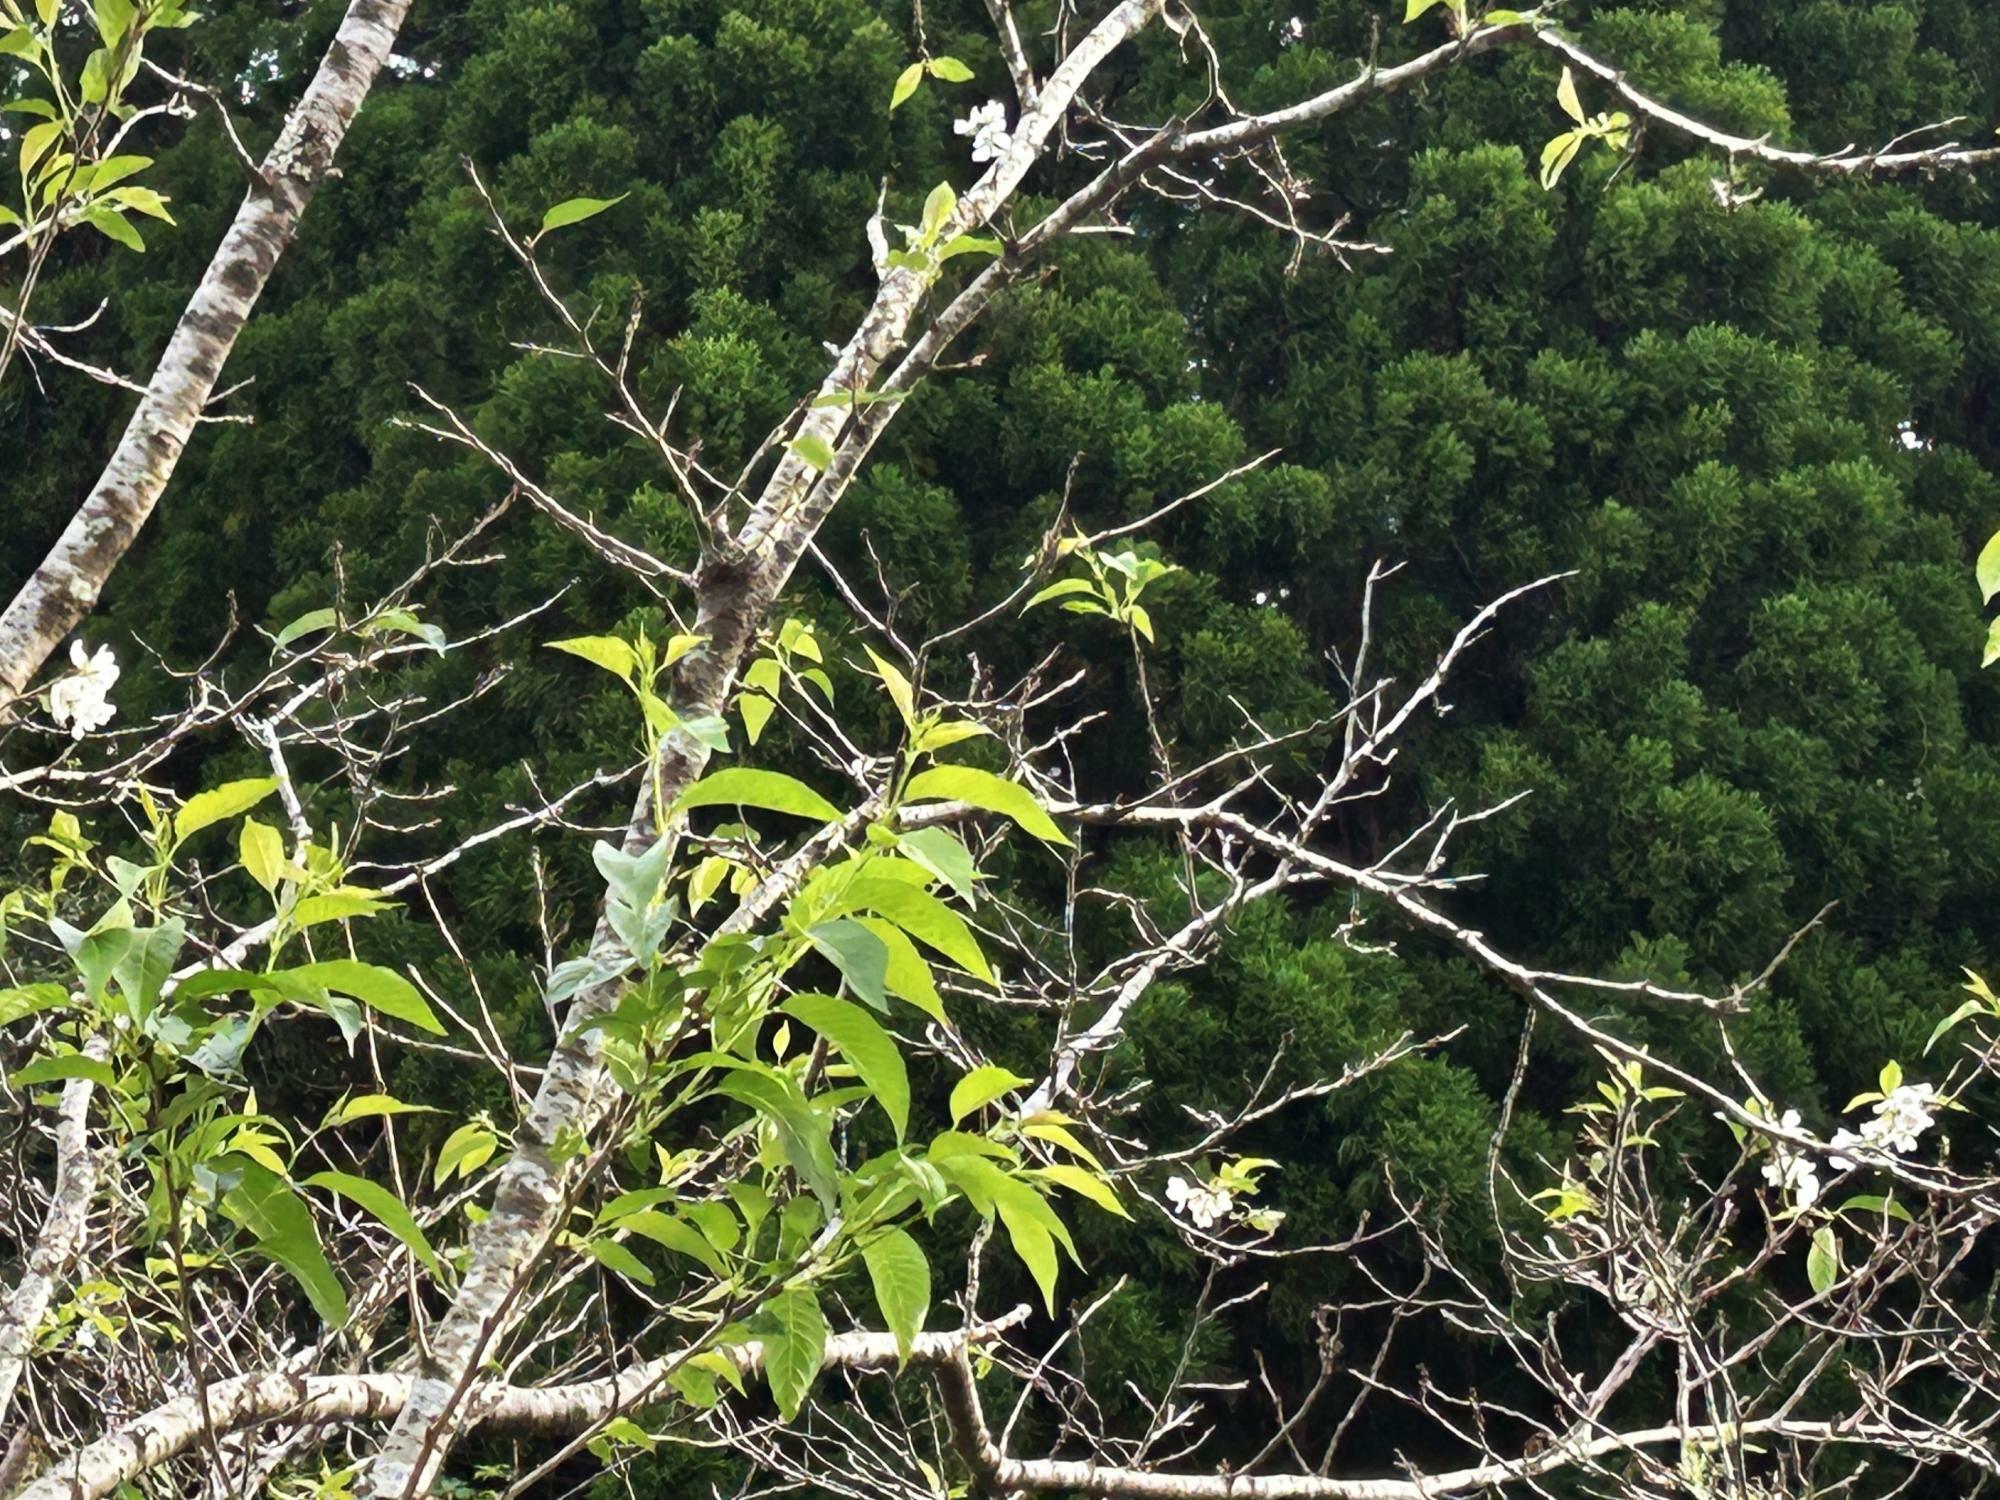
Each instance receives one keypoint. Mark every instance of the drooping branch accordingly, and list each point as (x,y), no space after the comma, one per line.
(67,584)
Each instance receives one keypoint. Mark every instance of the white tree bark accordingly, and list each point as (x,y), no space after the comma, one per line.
(736,587)
(60,1235)
(67,584)
(310,1400)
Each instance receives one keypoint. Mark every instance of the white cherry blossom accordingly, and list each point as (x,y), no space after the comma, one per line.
(82,700)
(1205,1206)
(987,125)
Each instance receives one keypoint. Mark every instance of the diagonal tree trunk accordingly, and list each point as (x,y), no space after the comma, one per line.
(65,587)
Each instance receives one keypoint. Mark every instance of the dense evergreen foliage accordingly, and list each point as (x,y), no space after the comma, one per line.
(1746,419)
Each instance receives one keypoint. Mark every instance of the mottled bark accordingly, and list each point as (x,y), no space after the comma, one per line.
(67,584)
(736,589)
(308,1400)
(61,1232)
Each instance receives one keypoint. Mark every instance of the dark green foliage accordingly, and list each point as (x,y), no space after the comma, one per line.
(1753,693)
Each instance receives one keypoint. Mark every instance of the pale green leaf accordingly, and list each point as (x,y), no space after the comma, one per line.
(902,1280)
(980,1088)
(741,786)
(387,1209)
(220,804)
(990,793)
(575,211)
(870,1050)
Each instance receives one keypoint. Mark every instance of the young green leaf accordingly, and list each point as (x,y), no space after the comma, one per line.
(220,804)
(870,1050)
(814,451)
(673,1234)
(464,1152)
(1988,568)
(980,1088)
(262,850)
(949,70)
(575,211)
(607,651)
(1566,97)
(794,1347)
(741,786)
(615,1257)
(906,85)
(386,1208)
(902,1280)
(990,793)
(1823,1260)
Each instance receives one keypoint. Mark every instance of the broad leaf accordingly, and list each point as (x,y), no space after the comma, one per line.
(741,786)
(989,793)
(265,1205)
(387,1209)
(980,1088)
(379,989)
(902,1280)
(870,1050)
(219,804)
(575,211)
(794,1347)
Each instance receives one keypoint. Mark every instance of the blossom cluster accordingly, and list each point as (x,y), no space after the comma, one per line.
(1900,1118)
(987,125)
(1206,1206)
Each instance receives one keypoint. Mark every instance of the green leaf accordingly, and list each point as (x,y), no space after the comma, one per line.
(950,70)
(990,793)
(335,906)
(1417,8)
(908,975)
(1875,1203)
(944,854)
(1558,154)
(938,207)
(265,1205)
(312,620)
(220,804)
(860,955)
(802,1130)
(1823,1260)
(1566,97)
(1967,1008)
(20,42)
(970,244)
(615,1257)
(387,1209)
(673,1234)
(575,211)
(1084,1184)
(923,917)
(1988,568)
(377,988)
(607,651)
(1061,589)
(30,1000)
(741,786)
(794,1347)
(464,1152)
(814,451)
(114,19)
(262,850)
(871,1051)
(60,1069)
(906,85)
(900,692)
(372,1106)
(1992,652)
(980,1088)
(902,1280)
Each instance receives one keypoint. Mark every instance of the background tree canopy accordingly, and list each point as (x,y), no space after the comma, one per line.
(1748,422)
